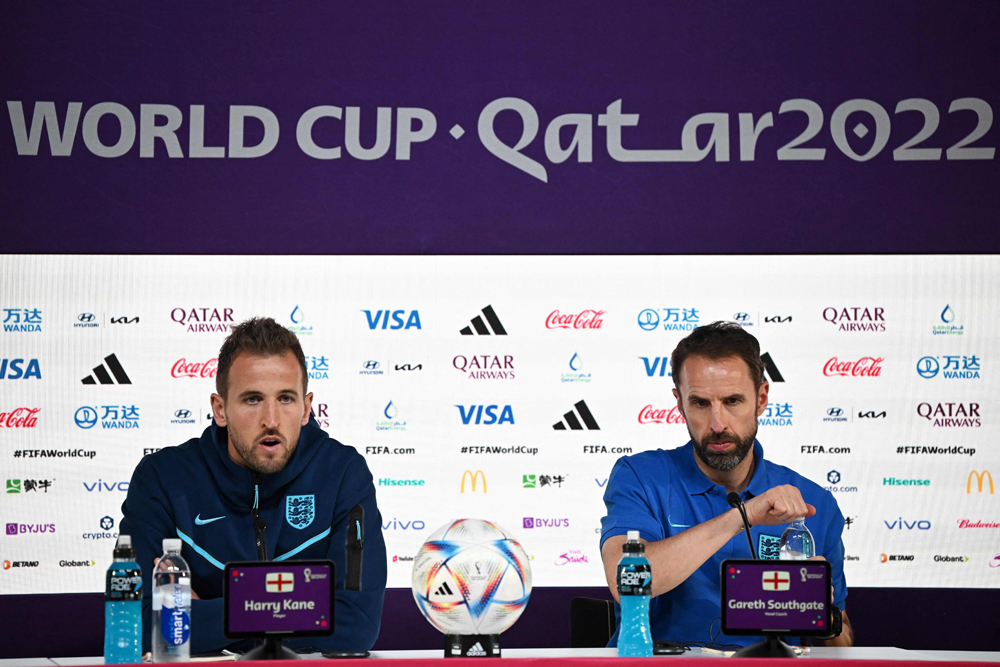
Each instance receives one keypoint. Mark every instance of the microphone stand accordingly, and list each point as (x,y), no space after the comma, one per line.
(734,501)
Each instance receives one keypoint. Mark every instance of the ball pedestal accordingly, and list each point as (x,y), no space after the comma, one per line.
(472,646)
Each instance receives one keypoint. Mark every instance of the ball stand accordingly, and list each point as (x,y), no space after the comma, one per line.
(472,646)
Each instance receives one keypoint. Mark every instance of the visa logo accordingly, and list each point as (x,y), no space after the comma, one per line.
(381,317)
(33,370)
(661,363)
(476,411)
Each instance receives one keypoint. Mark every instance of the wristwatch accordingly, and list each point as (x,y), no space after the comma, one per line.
(836,623)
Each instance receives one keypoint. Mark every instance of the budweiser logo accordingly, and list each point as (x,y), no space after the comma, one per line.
(863,367)
(587,319)
(649,415)
(19,418)
(206,369)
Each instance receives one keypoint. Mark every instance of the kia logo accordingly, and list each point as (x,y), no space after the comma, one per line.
(741,317)
(182,414)
(371,365)
(86,317)
(649,319)
(834,412)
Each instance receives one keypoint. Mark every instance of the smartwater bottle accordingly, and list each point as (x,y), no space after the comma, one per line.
(171,631)
(635,586)
(123,607)
(797,542)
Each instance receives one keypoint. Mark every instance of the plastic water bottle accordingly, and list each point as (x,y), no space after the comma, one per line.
(171,631)
(635,587)
(797,542)
(123,607)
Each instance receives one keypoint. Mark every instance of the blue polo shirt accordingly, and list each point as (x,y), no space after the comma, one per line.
(662,493)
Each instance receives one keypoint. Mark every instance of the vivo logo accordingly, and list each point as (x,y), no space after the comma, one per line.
(101,485)
(396,524)
(476,411)
(900,524)
(381,319)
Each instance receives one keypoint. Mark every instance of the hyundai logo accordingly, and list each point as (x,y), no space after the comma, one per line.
(834,412)
(928,367)
(741,317)
(182,414)
(85,417)
(85,317)
(371,365)
(649,319)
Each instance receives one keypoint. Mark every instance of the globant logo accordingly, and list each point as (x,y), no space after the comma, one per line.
(25,320)
(204,320)
(485,366)
(30,528)
(201,369)
(106,524)
(856,318)
(115,417)
(318,368)
(532,522)
(19,418)
(968,369)
(835,415)
(863,367)
(570,557)
(86,321)
(951,415)
(951,559)
(11,369)
(651,415)
(776,414)
(672,319)
(585,319)
(77,563)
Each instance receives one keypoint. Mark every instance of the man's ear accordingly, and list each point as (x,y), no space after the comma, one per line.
(307,404)
(219,410)
(762,398)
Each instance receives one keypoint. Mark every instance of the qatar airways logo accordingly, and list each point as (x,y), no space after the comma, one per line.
(19,418)
(650,415)
(204,320)
(856,318)
(203,369)
(863,367)
(585,319)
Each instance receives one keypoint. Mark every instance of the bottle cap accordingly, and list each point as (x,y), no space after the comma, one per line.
(124,547)
(171,545)
(632,544)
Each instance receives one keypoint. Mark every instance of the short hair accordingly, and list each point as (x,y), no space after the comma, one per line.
(719,340)
(261,336)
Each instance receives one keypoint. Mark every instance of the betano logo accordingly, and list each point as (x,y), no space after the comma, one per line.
(980,478)
(472,477)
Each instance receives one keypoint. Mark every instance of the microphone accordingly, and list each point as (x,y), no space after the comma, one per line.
(734,501)
(355,548)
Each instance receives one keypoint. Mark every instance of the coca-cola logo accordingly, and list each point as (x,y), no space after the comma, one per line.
(650,415)
(19,418)
(863,367)
(205,369)
(587,319)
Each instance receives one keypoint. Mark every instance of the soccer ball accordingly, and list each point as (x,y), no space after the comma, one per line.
(471,577)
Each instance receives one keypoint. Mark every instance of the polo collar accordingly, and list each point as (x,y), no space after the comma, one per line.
(697,483)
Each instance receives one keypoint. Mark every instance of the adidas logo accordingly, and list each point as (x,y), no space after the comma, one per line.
(574,423)
(444,589)
(476,651)
(101,372)
(770,370)
(480,326)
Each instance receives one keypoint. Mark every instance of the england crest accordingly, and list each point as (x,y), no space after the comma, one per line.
(300,511)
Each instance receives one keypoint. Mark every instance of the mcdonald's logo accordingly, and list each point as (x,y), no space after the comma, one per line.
(980,477)
(473,476)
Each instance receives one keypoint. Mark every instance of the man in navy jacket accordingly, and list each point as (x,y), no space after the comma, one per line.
(264,459)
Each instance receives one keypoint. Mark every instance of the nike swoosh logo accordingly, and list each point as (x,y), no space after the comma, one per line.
(676,525)
(198,521)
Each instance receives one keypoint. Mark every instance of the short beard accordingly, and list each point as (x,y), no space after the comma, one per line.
(723,462)
(248,452)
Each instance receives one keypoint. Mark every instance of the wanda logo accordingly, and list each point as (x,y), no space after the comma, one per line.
(19,418)
(863,367)
(204,369)
(649,415)
(587,319)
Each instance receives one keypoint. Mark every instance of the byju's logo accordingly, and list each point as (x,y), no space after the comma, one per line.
(951,415)
(400,319)
(474,414)
(480,327)
(585,319)
(672,319)
(835,415)
(902,524)
(576,373)
(13,369)
(967,369)
(948,327)
(651,415)
(19,418)
(776,414)
(657,366)
(204,320)
(570,419)
(856,318)
(195,369)
(392,421)
(30,528)
(533,522)
(297,318)
(863,367)
(101,372)
(318,368)
(115,416)
(26,320)
(86,321)
(485,366)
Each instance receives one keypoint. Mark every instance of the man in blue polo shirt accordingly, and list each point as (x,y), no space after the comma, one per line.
(676,498)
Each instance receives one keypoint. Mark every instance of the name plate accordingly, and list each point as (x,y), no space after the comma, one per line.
(291,598)
(776,596)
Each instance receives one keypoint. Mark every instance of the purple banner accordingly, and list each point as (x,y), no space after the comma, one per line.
(279,597)
(457,127)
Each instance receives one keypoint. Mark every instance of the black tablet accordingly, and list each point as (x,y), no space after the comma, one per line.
(291,599)
(776,596)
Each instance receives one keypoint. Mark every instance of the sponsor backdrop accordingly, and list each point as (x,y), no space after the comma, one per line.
(506,387)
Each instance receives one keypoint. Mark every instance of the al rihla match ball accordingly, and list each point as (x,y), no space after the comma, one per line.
(471,577)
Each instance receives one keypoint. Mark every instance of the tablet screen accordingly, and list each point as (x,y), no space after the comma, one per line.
(289,598)
(761,596)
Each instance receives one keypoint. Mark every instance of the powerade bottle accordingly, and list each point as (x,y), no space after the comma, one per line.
(635,586)
(123,607)
(171,631)
(797,542)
